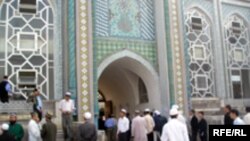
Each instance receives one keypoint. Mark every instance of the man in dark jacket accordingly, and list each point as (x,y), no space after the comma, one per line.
(227,119)
(5,90)
(49,129)
(194,125)
(160,121)
(87,131)
(5,136)
(202,127)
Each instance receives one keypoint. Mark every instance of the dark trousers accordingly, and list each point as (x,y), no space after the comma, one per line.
(39,113)
(123,136)
(67,126)
(203,138)
(194,135)
(111,134)
(150,136)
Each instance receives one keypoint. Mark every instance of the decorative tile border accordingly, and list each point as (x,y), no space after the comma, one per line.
(177,53)
(83,50)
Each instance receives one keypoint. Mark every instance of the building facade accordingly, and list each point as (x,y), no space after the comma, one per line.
(133,54)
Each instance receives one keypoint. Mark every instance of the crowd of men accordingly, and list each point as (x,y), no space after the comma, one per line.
(145,125)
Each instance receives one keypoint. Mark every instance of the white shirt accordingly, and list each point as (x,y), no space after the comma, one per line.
(67,106)
(238,121)
(246,118)
(34,131)
(174,130)
(123,125)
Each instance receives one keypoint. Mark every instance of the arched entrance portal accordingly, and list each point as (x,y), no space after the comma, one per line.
(128,81)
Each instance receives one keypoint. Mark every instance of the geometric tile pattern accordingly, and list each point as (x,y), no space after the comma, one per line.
(37,46)
(228,9)
(84,96)
(106,47)
(201,69)
(129,19)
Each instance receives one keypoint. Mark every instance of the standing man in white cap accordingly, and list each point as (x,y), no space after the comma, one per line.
(123,126)
(180,117)
(174,130)
(87,131)
(5,136)
(67,108)
(150,124)
(34,130)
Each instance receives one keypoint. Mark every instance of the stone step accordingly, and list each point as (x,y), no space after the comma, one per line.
(16,106)
(204,103)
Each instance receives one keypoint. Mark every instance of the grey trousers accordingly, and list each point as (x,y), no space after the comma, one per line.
(67,127)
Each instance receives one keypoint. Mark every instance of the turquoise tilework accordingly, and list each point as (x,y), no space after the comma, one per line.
(72,48)
(228,10)
(169,54)
(107,46)
(205,5)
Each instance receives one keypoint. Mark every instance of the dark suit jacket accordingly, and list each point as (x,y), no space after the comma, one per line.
(6,137)
(87,132)
(194,124)
(49,131)
(203,128)
(227,119)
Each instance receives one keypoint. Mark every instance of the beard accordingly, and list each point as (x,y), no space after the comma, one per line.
(12,122)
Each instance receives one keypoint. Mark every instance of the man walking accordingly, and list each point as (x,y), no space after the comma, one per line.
(174,130)
(123,126)
(246,118)
(202,126)
(15,129)
(194,125)
(49,129)
(160,121)
(38,104)
(5,90)
(67,108)
(87,131)
(234,114)
(227,118)
(150,124)
(33,128)
(139,131)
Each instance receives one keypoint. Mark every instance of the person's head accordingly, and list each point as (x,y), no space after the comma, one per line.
(48,116)
(173,113)
(137,113)
(111,116)
(201,114)
(34,116)
(248,109)
(175,106)
(5,127)
(234,114)
(192,112)
(67,95)
(123,113)
(5,77)
(157,113)
(227,109)
(13,118)
(87,116)
(147,111)
(36,92)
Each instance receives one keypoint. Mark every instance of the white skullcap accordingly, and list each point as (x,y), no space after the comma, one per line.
(5,126)
(147,110)
(157,112)
(175,107)
(173,112)
(87,115)
(124,111)
(68,93)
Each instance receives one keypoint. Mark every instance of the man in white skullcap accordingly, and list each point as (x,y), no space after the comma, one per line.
(67,108)
(160,121)
(87,131)
(5,136)
(174,130)
(180,117)
(150,124)
(123,126)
